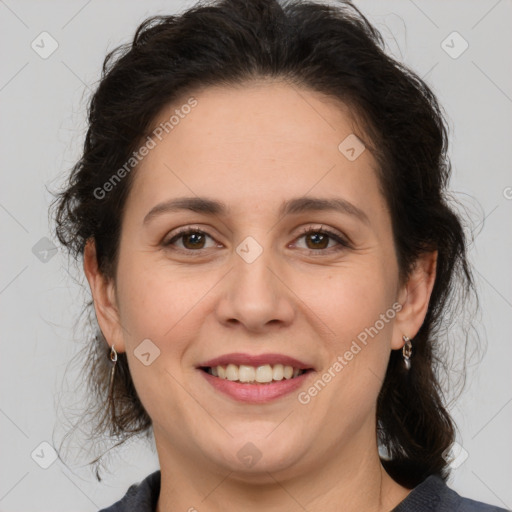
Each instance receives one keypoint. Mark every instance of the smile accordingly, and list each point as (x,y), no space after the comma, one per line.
(264,374)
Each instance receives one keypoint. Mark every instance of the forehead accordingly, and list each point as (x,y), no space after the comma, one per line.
(255,144)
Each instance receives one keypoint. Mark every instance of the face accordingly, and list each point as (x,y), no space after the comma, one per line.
(254,279)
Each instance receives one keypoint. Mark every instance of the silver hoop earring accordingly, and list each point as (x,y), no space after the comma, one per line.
(113,358)
(407,352)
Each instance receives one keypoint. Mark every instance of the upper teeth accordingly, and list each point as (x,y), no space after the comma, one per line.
(265,373)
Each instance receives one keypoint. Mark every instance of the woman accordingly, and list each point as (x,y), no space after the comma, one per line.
(261,211)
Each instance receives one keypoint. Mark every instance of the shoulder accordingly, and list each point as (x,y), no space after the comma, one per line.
(434,495)
(141,497)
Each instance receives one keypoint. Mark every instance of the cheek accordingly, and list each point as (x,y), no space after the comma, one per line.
(358,308)
(154,300)
(161,308)
(352,301)
(365,317)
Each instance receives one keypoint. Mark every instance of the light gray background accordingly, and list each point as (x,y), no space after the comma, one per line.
(43,104)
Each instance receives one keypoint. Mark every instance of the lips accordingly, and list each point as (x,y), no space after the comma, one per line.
(255,361)
(256,379)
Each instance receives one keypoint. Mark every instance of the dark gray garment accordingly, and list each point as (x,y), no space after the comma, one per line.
(431,495)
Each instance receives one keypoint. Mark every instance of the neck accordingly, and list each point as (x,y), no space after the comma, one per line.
(354,480)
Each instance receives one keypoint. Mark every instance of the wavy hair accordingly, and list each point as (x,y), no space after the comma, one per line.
(332,49)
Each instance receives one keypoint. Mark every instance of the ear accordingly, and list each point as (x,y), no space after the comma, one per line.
(414,297)
(104,297)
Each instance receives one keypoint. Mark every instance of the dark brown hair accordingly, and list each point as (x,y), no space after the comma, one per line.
(329,49)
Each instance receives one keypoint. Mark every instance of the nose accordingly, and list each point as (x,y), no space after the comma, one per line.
(256,296)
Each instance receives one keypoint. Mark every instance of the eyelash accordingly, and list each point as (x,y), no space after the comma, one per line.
(343,243)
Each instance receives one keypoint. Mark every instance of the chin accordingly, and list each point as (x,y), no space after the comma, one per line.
(251,458)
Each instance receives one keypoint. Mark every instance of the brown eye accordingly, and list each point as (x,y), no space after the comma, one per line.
(318,240)
(191,240)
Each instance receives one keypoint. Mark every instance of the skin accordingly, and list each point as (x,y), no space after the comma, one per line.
(253,148)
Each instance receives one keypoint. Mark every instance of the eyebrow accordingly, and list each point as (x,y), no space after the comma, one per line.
(290,207)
